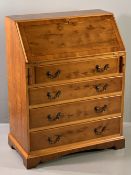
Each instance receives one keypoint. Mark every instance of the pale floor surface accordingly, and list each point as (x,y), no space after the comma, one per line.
(105,162)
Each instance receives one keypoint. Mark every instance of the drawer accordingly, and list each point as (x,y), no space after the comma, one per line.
(63,113)
(74,133)
(47,94)
(72,70)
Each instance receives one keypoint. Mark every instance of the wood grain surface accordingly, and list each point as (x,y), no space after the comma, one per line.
(67,37)
(74,90)
(66,74)
(17,89)
(51,72)
(88,109)
(74,133)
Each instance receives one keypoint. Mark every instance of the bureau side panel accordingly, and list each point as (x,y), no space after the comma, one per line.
(122,70)
(17,92)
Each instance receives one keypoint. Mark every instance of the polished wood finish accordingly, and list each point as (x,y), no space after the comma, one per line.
(77,69)
(36,157)
(82,13)
(74,133)
(70,36)
(84,109)
(76,90)
(17,89)
(66,74)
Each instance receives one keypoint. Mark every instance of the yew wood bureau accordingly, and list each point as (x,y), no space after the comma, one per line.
(66,76)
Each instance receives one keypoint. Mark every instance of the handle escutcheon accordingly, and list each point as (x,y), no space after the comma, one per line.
(99,109)
(54,139)
(57,117)
(101,87)
(53,76)
(54,96)
(102,69)
(99,130)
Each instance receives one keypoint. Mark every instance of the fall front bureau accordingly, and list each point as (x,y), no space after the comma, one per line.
(66,75)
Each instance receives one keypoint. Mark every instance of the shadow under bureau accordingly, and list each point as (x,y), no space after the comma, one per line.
(66,75)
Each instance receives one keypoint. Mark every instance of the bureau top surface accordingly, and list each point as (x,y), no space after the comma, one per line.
(54,15)
(58,35)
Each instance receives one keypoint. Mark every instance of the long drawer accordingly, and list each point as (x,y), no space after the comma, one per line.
(47,94)
(67,71)
(87,109)
(74,133)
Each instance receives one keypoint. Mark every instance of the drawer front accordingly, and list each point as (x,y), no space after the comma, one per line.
(56,72)
(57,114)
(74,133)
(72,91)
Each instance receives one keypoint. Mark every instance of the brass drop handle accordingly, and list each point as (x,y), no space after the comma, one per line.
(67,21)
(101,87)
(99,109)
(56,95)
(99,130)
(54,139)
(59,27)
(53,76)
(57,117)
(102,69)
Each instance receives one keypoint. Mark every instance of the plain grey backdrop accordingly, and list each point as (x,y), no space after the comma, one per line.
(121,10)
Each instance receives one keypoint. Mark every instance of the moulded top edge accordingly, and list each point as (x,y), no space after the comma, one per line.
(54,15)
